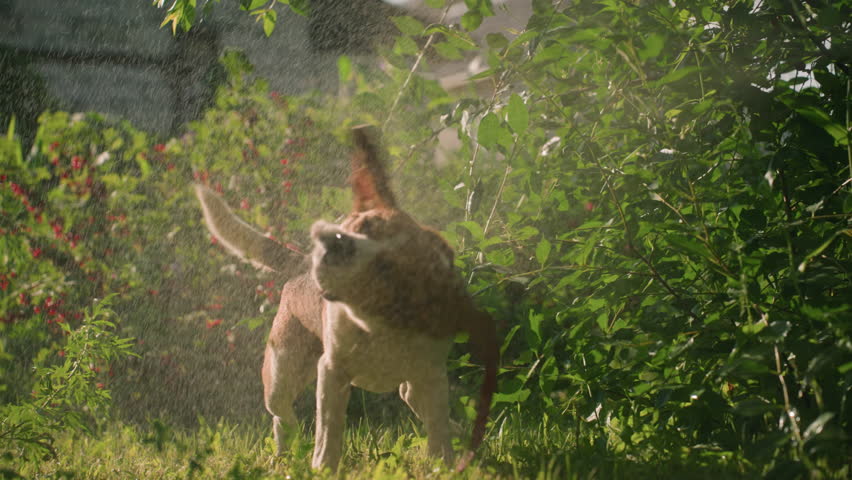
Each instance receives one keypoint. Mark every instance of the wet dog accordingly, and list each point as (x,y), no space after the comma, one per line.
(376,305)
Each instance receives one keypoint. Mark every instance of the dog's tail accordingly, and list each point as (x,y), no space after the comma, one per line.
(483,338)
(240,239)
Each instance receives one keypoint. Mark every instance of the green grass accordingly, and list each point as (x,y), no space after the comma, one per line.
(517,447)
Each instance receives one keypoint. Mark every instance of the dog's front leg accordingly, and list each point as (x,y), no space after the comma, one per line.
(428,397)
(333,388)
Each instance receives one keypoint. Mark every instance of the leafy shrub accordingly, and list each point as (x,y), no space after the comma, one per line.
(67,394)
(97,207)
(664,213)
(655,201)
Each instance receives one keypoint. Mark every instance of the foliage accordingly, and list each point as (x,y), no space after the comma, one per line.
(184,13)
(667,220)
(68,393)
(96,208)
(64,235)
(657,206)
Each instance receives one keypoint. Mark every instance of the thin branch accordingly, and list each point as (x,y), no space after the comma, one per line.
(420,55)
(497,198)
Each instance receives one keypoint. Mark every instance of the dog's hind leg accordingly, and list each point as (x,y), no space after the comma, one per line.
(289,365)
(428,397)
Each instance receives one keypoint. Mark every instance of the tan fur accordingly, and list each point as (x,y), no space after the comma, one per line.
(377,308)
(240,239)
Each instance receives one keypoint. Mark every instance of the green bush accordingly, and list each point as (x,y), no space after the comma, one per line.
(655,203)
(67,395)
(97,207)
(667,211)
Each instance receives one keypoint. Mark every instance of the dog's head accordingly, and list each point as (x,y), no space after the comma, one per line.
(378,260)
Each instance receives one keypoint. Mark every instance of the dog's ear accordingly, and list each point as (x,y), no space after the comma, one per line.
(369,180)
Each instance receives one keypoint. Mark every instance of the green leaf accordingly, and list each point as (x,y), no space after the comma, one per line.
(542,251)
(488,131)
(752,407)
(405,46)
(471,20)
(674,76)
(709,15)
(642,388)
(496,41)
(475,230)
(526,232)
(534,341)
(408,25)
(144,166)
(517,115)
(344,69)
(436,3)
(821,248)
(518,396)
(817,426)
(455,37)
(301,7)
(10,132)
(688,245)
(753,328)
(653,46)
(447,51)
(251,4)
(821,119)
(603,321)
(507,339)
(269,19)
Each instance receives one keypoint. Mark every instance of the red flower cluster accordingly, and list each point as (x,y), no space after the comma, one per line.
(19,192)
(59,234)
(5,279)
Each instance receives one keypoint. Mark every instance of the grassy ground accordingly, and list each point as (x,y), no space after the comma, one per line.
(539,451)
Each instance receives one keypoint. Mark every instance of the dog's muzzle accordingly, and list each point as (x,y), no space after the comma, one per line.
(339,248)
